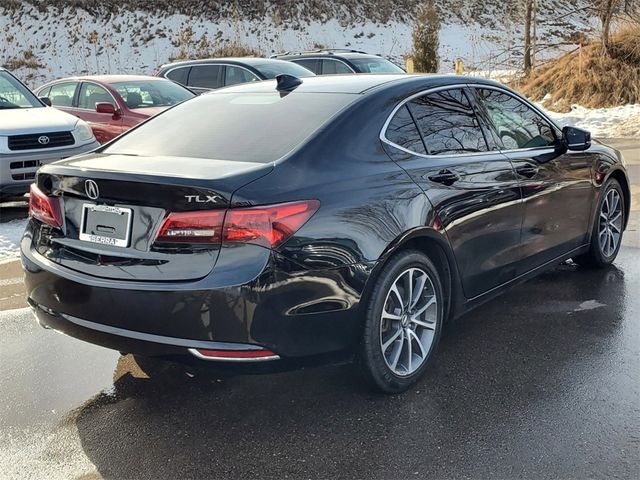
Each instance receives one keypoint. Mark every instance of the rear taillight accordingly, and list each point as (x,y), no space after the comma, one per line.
(192,227)
(44,208)
(267,225)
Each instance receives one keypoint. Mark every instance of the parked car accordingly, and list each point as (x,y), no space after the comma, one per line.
(316,218)
(209,74)
(31,134)
(340,61)
(112,104)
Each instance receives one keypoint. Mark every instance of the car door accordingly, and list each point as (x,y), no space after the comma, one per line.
(556,184)
(203,78)
(62,95)
(105,126)
(472,186)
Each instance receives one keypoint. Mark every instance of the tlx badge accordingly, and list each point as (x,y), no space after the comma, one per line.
(203,198)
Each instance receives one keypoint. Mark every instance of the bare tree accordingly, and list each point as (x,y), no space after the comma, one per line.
(529,21)
(607,10)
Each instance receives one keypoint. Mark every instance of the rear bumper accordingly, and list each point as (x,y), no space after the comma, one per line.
(290,312)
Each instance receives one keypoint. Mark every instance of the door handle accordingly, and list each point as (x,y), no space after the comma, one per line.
(528,170)
(446,177)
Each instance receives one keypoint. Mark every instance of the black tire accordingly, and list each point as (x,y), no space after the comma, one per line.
(596,257)
(372,359)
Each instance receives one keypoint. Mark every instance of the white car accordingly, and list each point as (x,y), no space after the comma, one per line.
(32,134)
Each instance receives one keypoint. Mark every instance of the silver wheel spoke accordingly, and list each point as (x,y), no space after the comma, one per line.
(409,289)
(422,309)
(390,316)
(396,292)
(409,353)
(404,323)
(413,334)
(396,356)
(610,229)
(393,338)
(422,280)
(430,326)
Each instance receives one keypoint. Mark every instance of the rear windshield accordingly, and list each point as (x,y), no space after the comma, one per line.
(249,127)
(273,69)
(151,93)
(375,65)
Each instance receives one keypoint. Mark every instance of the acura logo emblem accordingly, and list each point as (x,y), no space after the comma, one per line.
(43,140)
(91,189)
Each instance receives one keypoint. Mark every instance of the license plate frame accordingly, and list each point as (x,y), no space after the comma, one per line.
(104,238)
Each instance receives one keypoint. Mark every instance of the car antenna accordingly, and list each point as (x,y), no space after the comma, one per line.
(287,83)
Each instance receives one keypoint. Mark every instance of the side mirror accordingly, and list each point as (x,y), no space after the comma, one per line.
(46,101)
(106,107)
(576,139)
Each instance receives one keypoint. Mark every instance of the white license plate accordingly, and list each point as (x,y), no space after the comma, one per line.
(106,225)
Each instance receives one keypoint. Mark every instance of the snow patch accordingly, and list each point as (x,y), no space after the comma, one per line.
(623,121)
(10,234)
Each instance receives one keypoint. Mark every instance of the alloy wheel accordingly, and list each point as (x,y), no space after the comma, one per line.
(611,218)
(409,320)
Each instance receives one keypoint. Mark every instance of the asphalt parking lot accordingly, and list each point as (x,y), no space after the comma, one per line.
(543,382)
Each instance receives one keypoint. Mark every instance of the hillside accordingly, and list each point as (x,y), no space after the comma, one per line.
(42,40)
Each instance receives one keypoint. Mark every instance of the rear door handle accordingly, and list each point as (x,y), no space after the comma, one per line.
(446,177)
(528,170)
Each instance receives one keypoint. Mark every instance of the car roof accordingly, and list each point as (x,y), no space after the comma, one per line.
(358,84)
(251,61)
(108,79)
(332,53)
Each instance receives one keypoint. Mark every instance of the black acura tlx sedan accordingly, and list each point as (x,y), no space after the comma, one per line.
(345,216)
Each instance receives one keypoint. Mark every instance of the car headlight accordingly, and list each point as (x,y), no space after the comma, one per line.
(82,132)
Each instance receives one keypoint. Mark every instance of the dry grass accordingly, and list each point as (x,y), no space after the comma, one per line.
(593,79)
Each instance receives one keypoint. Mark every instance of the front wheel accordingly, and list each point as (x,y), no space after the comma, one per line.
(606,236)
(403,322)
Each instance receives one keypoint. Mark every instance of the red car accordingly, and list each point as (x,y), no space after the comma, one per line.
(112,104)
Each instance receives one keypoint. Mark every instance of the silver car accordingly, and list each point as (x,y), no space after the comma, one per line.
(32,134)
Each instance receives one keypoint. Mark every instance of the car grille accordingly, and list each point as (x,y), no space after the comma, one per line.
(39,140)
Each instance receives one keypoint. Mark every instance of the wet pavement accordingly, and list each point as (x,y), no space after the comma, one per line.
(543,382)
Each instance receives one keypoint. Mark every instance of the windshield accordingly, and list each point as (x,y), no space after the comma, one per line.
(272,69)
(242,127)
(15,95)
(375,65)
(151,93)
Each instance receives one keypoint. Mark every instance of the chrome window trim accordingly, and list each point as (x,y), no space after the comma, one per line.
(383,132)
(115,102)
(213,64)
(384,138)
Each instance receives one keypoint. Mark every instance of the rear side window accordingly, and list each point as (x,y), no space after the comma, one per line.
(517,124)
(206,76)
(334,67)
(310,64)
(403,132)
(448,123)
(61,95)
(179,75)
(90,94)
(235,75)
(241,127)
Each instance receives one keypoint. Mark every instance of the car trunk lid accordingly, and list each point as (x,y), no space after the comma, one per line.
(114,205)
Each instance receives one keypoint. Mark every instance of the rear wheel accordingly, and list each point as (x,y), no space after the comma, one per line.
(403,322)
(606,236)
